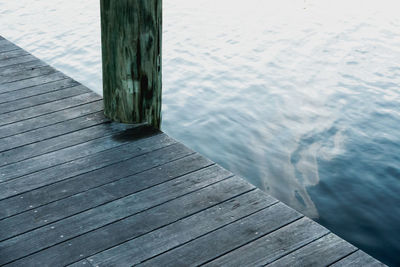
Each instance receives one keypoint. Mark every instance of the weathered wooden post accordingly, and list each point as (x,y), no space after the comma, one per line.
(131,33)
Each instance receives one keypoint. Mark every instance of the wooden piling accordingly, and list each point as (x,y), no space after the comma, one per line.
(131,33)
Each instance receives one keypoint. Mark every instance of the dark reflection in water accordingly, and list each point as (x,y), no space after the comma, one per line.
(304,104)
(358,195)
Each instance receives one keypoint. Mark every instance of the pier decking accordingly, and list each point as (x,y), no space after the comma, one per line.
(79,190)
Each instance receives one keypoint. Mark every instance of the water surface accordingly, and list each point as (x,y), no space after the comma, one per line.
(300,97)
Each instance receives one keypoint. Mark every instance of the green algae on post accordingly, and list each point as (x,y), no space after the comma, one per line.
(131,51)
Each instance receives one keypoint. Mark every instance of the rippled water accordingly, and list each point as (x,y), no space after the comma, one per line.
(301,97)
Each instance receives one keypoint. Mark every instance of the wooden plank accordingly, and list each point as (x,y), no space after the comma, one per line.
(32,82)
(6,46)
(358,258)
(50,131)
(17,69)
(12,54)
(46,160)
(32,101)
(274,245)
(43,109)
(4,41)
(34,72)
(59,173)
(59,190)
(168,237)
(81,263)
(16,60)
(83,139)
(321,252)
(91,198)
(144,222)
(49,119)
(37,90)
(107,152)
(24,126)
(121,220)
(228,238)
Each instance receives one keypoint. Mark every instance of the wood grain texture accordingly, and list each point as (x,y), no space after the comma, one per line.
(129,217)
(358,258)
(19,69)
(49,119)
(131,49)
(12,54)
(40,80)
(112,189)
(107,146)
(46,108)
(81,263)
(33,72)
(37,90)
(83,139)
(228,238)
(99,161)
(322,252)
(176,234)
(274,245)
(32,101)
(10,62)
(51,131)
(133,179)
(6,46)
(49,193)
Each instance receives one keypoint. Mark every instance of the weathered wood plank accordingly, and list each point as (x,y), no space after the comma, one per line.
(13,86)
(12,54)
(274,245)
(68,154)
(228,238)
(37,90)
(59,190)
(49,119)
(108,147)
(321,252)
(43,109)
(168,237)
(358,258)
(132,65)
(50,131)
(83,139)
(35,72)
(56,174)
(32,101)
(4,41)
(81,263)
(121,219)
(75,204)
(16,60)
(6,46)
(9,71)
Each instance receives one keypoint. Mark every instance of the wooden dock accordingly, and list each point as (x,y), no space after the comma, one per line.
(79,190)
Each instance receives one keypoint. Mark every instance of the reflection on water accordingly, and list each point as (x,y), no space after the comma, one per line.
(301,97)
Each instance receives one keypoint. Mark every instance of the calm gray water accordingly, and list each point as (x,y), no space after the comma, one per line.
(301,97)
